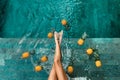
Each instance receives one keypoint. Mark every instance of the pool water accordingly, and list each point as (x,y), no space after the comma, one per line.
(25,24)
(98,18)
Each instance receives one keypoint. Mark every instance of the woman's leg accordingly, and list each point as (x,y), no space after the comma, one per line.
(61,75)
(52,75)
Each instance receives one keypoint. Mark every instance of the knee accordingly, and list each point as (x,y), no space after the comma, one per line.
(56,61)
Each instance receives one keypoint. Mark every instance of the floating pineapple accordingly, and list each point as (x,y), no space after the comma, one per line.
(44,59)
(82,40)
(50,34)
(89,51)
(98,63)
(38,68)
(25,55)
(64,22)
(70,69)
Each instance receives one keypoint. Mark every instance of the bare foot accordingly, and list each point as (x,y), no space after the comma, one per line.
(60,36)
(56,36)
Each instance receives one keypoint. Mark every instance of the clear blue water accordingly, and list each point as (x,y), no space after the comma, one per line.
(24,25)
(99,18)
